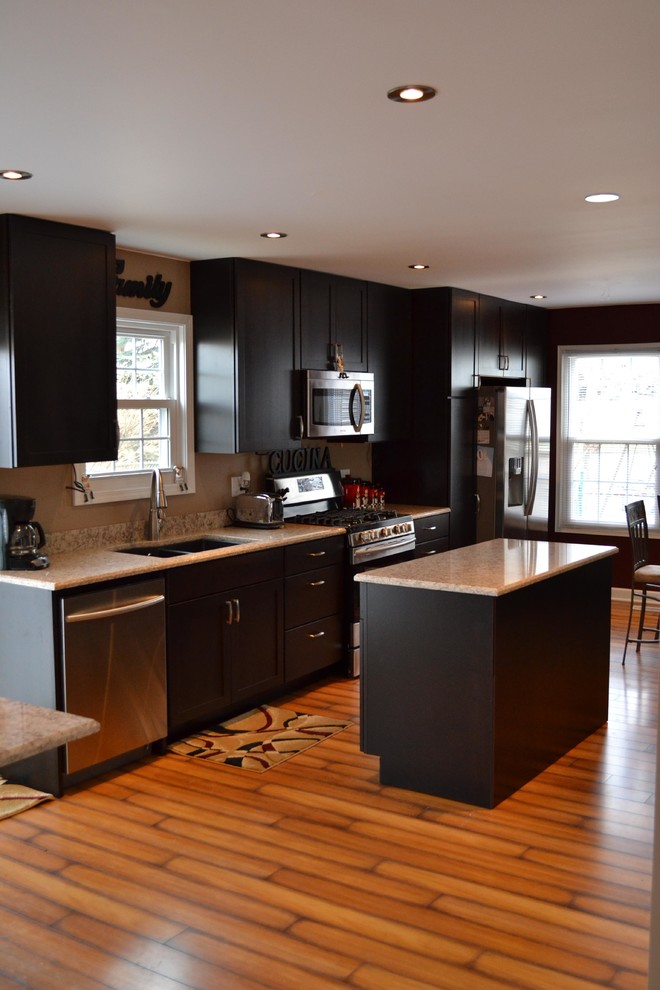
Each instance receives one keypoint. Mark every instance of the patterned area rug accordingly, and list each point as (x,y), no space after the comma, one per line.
(15,798)
(260,739)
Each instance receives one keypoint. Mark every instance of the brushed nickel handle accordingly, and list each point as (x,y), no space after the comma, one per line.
(116,610)
(317,553)
(315,584)
(237,609)
(230,613)
(316,635)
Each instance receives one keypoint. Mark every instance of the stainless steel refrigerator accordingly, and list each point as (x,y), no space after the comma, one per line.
(512,461)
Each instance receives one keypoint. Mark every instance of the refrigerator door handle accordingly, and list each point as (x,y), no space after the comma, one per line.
(534,468)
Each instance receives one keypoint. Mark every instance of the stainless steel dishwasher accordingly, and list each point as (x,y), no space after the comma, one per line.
(114,669)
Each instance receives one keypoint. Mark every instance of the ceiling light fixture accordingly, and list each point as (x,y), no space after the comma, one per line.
(538,296)
(418,268)
(411,93)
(14,174)
(273,234)
(601,198)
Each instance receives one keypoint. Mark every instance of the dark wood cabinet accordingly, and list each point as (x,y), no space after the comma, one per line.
(434,466)
(246,330)
(314,606)
(536,346)
(333,317)
(431,534)
(225,636)
(501,338)
(389,326)
(58,400)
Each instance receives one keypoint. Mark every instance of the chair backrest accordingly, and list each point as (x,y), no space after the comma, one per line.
(638,531)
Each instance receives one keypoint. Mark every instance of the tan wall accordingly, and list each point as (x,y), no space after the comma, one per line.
(49,485)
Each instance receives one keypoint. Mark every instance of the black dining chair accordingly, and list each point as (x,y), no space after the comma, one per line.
(645,587)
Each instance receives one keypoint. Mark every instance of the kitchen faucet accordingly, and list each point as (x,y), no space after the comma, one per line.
(157,505)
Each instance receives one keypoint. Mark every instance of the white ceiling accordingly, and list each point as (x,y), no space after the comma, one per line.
(188,127)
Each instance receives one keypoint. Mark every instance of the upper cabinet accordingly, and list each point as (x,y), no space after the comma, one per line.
(501,338)
(510,340)
(536,345)
(390,359)
(246,330)
(58,402)
(333,321)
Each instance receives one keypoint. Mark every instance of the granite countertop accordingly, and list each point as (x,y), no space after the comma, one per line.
(26,730)
(90,565)
(93,561)
(494,568)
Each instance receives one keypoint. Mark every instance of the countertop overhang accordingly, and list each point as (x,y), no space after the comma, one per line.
(493,568)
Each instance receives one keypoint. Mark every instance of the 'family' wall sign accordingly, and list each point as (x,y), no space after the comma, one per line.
(153,287)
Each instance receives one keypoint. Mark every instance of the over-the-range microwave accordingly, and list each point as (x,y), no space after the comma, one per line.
(339,404)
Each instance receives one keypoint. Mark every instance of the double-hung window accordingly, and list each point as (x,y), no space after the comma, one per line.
(608,436)
(154,399)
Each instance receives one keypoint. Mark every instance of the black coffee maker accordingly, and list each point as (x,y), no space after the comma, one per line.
(21,537)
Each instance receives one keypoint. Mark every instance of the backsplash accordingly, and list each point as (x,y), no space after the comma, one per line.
(132,532)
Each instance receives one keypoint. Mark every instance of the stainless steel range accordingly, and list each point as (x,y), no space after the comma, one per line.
(375,536)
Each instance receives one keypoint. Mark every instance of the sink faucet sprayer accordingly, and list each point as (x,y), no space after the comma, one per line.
(157,505)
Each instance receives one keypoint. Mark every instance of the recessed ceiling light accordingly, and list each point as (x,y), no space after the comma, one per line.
(413,93)
(418,268)
(14,174)
(601,198)
(538,296)
(273,234)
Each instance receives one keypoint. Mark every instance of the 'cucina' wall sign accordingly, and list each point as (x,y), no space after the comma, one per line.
(153,287)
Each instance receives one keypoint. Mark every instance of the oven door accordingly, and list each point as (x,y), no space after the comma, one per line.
(368,558)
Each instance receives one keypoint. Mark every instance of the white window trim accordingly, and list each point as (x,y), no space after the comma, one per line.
(562,525)
(127,485)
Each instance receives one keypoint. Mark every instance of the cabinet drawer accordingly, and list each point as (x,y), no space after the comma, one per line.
(314,553)
(432,527)
(427,548)
(312,595)
(313,646)
(201,579)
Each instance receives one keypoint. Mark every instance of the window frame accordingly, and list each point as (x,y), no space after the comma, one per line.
(123,486)
(563,524)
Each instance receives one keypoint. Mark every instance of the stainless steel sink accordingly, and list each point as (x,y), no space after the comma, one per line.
(182,547)
(203,543)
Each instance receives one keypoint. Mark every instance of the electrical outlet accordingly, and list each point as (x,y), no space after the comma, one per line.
(236,486)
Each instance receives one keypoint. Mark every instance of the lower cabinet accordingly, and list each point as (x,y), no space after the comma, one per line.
(225,640)
(314,606)
(431,534)
(242,629)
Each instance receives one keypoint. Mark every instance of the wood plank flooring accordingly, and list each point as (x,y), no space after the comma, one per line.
(167,874)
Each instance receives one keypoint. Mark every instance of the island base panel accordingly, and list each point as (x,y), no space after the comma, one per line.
(469,697)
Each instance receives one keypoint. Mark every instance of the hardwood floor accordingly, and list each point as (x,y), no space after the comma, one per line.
(169,874)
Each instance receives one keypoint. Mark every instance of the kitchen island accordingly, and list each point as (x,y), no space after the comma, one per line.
(484,665)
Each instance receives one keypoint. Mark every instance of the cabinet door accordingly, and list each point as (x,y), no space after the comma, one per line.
(266,329)
(488,338)
(57,337)
(536,345)
(332,313)
(245,324)
(198,662)
(513,321)
(350,321)
(390,359)
(257,638)
(501,338)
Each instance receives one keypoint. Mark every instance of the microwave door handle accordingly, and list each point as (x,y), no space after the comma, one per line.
(357,390)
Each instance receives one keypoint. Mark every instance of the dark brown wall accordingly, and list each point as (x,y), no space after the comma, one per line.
(601,325)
